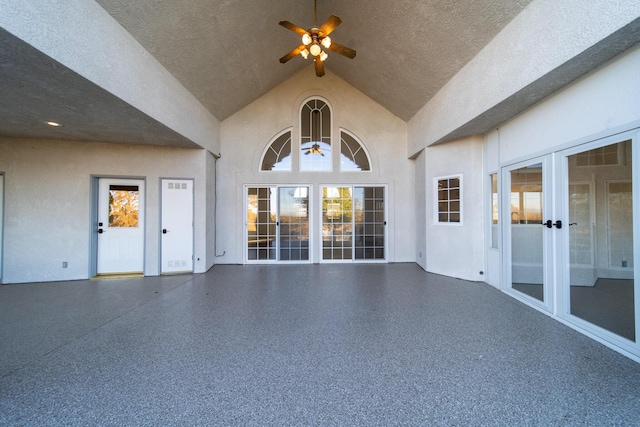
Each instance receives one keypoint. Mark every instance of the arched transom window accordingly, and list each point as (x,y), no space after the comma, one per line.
(278,154)
(315,136)
(353,156)
(316,152)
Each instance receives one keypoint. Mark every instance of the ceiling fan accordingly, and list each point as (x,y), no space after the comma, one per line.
(314,39)
(314,149)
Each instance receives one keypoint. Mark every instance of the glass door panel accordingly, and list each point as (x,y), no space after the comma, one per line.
(370,223)
(261,223)
(527,231)
(293,236)
(353,223)
(337,223)
(601,268)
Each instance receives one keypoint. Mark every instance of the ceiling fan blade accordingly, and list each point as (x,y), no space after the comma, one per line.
(319,67)
(342,50)
(329,25)
(293,27)
(291,54)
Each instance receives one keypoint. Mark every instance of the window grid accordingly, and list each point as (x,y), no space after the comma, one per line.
(261,220)
(315,136)
(353,155)
(337,228)
(370,222)
(278,154)
(449,201)
(603,156)
(294,223)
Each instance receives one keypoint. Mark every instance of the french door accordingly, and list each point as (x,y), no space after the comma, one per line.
(277,223)
(568,237)
(530,230)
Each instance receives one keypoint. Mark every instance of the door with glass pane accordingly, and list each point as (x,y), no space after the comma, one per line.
(293,223)
(120,226)
(277,223)
(599,287)
(353,223)
(528,231)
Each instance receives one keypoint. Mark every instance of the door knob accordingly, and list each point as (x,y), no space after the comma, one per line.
(164,231)
(548,223)
(100,231)
(558,224)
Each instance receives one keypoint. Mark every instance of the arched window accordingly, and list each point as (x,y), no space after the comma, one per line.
(277,156)
(315,136)
(353,156)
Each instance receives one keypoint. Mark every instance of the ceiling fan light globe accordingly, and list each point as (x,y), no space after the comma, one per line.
(304,53)
(326,42)
(315,50)
(323,56)
(306,39)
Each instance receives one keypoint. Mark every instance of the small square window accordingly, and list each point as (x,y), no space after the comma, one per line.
(448,204)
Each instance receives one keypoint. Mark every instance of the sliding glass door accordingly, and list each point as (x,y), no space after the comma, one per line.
(353,223)
(277,223)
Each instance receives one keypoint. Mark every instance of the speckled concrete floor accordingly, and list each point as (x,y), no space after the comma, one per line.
(380,344)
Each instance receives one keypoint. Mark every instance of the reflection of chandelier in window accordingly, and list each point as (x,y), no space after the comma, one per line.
(316,127)
(316,138)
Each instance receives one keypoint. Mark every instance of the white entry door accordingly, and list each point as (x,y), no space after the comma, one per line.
(177,226)
(120,226)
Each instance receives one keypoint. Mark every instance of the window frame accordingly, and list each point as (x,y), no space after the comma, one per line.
(362,147)
(268,147)
(436,211)
(300,136)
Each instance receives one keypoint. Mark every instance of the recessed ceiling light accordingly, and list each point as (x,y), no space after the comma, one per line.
(54,124)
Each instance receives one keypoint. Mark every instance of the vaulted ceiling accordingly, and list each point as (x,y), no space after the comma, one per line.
(226,52)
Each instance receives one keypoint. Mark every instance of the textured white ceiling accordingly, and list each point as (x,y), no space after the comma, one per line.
(226,52)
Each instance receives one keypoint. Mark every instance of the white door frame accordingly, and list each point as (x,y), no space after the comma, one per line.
(549,235)
(245,235)
(563,289)
(386,227)
(93,224)
(556,246)
(164,231)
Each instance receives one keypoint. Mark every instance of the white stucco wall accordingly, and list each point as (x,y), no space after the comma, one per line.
(605,99)
(456,250)
(85,38)
(246,134)
(543,37)
(47,202)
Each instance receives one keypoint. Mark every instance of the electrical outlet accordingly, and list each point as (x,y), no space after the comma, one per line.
(624,263)
(65,264)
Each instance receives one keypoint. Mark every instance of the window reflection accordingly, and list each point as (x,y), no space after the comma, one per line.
(123,205)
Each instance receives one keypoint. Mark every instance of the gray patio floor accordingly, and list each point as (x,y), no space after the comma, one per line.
(374,344)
